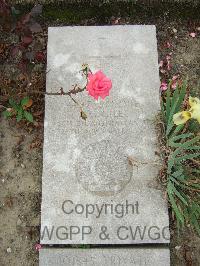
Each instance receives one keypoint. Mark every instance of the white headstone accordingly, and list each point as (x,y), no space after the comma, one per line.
(98,174)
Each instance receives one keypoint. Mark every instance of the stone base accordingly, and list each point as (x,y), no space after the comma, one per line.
(104,256)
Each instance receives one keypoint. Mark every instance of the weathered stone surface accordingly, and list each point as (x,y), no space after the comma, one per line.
(108,257)
(128,54)
(106,163)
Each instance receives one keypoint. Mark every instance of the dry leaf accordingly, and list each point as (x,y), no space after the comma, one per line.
(83,115)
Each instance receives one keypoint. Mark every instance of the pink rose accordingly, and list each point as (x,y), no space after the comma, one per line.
(98,85)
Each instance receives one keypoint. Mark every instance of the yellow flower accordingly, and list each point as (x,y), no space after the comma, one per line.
(194,101)
(181,117)
(194,112)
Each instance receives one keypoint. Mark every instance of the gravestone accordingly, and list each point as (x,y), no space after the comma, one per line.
(106,256)
(98,184)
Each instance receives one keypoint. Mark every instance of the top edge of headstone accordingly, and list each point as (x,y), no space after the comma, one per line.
(104,26)
(102,47)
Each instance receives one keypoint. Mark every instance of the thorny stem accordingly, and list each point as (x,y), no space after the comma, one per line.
(76,89)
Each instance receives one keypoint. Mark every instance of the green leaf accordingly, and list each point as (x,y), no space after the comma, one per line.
(195,224)
(181,97)
(195,171)
(28,116)
(170,164)
(175,97)
(170,119)
(195,185)
(196,207)
(186,144)
(194,148)
(175,208)
(19,118)
(187,157)
(25,100)
(19,115)
(194,126)
(174,180)
(194,140)
(181,136)
(177,193)
(177,130)
(194,213)
(178,172)
(176,103)
(6,114)
(163,110)
(180,178)
(14,104)
(168,103)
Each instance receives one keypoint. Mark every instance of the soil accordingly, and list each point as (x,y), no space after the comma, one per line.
(20,179)
(21,144)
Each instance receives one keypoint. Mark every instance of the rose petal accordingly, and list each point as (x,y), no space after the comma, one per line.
(98,85)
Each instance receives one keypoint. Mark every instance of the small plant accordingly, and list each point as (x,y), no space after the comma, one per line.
(182,151)
(19,110)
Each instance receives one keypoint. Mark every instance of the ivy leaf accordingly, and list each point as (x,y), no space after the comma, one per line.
(28,116)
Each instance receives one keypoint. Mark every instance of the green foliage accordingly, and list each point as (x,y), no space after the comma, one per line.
(172,105)
(183,146)
(19,110)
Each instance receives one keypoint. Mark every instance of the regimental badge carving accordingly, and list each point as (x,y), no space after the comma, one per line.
(103,168)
